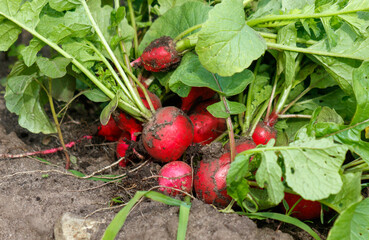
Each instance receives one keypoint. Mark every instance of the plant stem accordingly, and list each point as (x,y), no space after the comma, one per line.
(57,125)
(257,118)
(250,98)
(133,23)
(121,43)
(298,40)
(353,163)
(187,31)
(273,18)
(276,78)
(146,114)
(296,99)
(232,142)
(294,116)
(346,129)
(112,71)
(311,51)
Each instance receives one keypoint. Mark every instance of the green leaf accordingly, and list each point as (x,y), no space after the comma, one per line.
(175,21)
(226,45)
(349,194)
(63,88)
(96,95)
(352,138)
(328,115)
(184,214)
(192,73)
(341,69)
(54,68)
(29,53)
(117,223)
(165,5)
(269,174)
(237,186)
(110,108)
(312,168)
(287,36)
(218,110)
(361,89)
(8,34)
(63,5)
(284,218)
(352,224)
(26,98)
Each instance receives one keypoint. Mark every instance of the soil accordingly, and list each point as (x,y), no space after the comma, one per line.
(34,195)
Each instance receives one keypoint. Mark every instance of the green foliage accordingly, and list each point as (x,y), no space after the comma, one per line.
(226,44)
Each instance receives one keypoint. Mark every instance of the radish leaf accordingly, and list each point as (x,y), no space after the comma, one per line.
(349,194)
(312,169)
(193,74)
(226,45)
(218,110)
(352,224)
(25,97)
(269,174)
(175,21)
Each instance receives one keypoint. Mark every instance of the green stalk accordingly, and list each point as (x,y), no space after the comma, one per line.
(353,163)
(273,18)
(257,118)
(111,69)
(248,114)
(60,135)
(121,43)
(298,40)
(311,51)
(232,142)
(187,31)
(128,108)
(145,112)
(133,22)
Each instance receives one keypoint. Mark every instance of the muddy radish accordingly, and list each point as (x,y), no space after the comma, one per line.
(176,175)
(168,134)
(160,56)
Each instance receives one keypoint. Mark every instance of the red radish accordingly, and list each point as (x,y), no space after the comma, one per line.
(176,175)
(129,124)
(122,148)
(110,131)
(305,209)
(168,134)
(160,56)
(154,99)
(263,133)
(272,120)
(242,145)
(207,127)
(210,180)
(196,94)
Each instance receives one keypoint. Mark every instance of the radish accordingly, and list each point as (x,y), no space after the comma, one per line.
(263,133)
(122,148)
(210,180)
(196,94)
(168,134)
(154,99)
(206,127)
(305,209)
(129,124)
(160,56)
(176,175)
(110,131)
(242,145)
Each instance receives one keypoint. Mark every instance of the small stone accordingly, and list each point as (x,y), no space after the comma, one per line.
(73,227)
